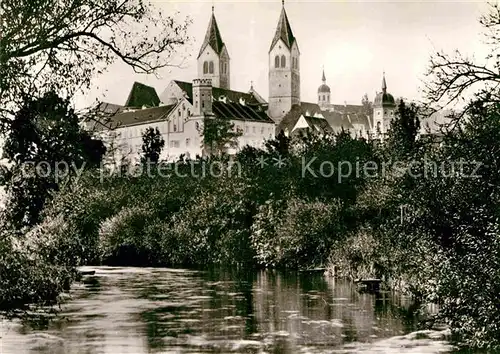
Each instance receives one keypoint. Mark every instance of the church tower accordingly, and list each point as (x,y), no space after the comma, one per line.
(284,70)
(384,106)
(213,60)
(324,93)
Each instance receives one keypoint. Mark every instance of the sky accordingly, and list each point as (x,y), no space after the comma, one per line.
(355,42)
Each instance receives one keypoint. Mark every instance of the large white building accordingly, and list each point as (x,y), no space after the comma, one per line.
(181,109)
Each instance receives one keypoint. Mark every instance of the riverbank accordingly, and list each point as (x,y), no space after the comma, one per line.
(437,234)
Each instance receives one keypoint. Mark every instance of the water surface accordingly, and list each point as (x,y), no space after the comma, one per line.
(154,310)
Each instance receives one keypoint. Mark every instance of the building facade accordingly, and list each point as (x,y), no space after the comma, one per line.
(182,108)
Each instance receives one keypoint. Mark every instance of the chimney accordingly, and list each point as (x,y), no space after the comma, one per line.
(202,97)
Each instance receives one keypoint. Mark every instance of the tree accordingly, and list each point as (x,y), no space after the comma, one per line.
(219,134)
(280,145)
(45,146)
(452,77)
(62,44)
(152,145)
(404,129)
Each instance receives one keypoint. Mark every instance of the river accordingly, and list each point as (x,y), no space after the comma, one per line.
(155,310)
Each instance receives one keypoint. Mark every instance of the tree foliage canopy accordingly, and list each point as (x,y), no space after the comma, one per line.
(62,44)
(152,145)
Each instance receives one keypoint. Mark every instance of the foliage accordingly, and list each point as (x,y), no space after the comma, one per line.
(25,275)
(68,42)
(451,78)
(152,145)
(46,146)
(404,129)
(122,237)
(219,134)
(300,237)
(215,227)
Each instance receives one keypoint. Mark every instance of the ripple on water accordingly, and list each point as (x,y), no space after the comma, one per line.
(147,310)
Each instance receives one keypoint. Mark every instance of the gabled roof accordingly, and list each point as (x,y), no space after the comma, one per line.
(237,111)
(318,124)
(344,117)
(140,116)
(283,31)
(142,95)
(291,118)
(217,92)
(212,37)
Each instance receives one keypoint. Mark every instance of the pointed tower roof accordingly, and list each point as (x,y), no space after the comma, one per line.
(384,99)
(384,84)
(283,30)
(324,77)
(212,37)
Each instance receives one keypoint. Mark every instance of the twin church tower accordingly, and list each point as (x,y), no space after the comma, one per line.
(284,65)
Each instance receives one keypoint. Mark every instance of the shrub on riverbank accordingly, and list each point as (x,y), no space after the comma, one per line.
(299,236)
(26,275)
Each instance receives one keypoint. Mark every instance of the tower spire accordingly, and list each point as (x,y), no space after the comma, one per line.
(384,84)
(324,77)
(283,30)
(212,36)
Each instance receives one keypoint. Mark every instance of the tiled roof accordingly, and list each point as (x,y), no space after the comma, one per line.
(142,95)
(338,121)
(212,37)
(140,116)
(342,117)
(240,112)
(109,108)
(283,31)
(232,96)
(348,108)
(318,124)
(310,108)
(291,118)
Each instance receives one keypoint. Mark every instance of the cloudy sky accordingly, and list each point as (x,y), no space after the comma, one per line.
(355,41)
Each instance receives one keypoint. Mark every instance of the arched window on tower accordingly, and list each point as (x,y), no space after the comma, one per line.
(205,68)
(379,127)
(283,61)
(211,67)
(276,61)
(324,99)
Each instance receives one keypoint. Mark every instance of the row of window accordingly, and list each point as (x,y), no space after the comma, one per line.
(177,143)
(208,67)
(281,62)
(254,129)
(322,97)
(391,113)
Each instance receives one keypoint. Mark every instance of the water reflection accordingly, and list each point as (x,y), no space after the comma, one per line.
(131,310)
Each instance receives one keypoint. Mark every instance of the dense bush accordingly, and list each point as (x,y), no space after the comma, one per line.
(26,275)
(300,236)
(122,238)
(215,227)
